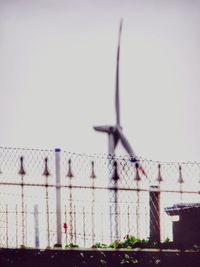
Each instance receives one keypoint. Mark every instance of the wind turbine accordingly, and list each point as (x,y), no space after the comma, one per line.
(115,133)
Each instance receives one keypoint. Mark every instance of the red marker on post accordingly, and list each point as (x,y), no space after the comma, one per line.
(65,227)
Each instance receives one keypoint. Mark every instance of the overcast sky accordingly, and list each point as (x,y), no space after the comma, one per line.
(57,75)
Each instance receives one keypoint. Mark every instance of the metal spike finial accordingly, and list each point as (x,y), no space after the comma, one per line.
(137,175)
(69,173)
(115,176)
(159,179)
(93,176)
(46,170)
(180,179)
(21,170)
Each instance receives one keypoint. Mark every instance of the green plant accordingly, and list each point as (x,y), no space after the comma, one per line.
(71,245)
(100,245)
(130,242)
(115,244)
(167,240)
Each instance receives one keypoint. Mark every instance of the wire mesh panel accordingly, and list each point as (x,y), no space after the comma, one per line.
(23,185)
(103,198)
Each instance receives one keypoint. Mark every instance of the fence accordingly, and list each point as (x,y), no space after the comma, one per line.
(50,197)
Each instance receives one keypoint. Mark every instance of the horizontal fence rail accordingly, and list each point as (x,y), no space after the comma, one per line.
(53,197)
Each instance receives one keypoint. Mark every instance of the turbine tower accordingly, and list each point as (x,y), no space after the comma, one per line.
(115,133)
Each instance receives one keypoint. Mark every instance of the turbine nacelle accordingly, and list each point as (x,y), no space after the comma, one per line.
(107,129)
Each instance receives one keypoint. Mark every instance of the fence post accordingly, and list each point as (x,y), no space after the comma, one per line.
(36,222)
(154,205)
(58,196)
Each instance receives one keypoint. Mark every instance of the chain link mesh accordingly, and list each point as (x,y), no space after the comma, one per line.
(103,198)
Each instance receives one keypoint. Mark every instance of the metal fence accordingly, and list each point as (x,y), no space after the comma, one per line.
(53,196)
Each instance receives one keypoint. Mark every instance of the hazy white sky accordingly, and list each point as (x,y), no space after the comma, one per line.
(57,75)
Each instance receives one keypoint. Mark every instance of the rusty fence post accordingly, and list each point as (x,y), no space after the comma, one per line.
(154,205)
(115,190)
(36,226)
(22,173)
(58,197)
(46,173)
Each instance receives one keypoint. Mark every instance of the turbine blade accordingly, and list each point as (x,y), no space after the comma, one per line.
(130,151)
(111,144)
(117,103)
(105,128)
(127,145)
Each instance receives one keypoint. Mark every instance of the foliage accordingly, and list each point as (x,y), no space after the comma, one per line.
(71,245)
(100,245)
(128,242)
(116,244)
(167,240)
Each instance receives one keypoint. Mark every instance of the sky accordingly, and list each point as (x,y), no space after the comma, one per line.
(57,75)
